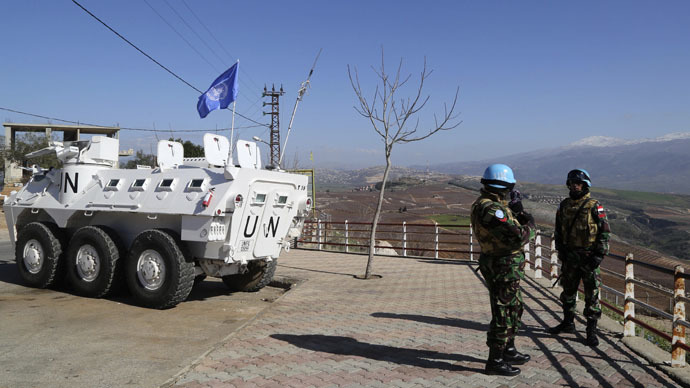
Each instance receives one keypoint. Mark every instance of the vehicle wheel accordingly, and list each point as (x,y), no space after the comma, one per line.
(157,273)
(92,259)
(259,274)
(38,253)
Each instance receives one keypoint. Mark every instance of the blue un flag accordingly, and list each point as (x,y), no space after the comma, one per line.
(222,92)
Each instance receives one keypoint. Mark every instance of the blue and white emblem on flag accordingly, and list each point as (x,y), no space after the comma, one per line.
(222,92)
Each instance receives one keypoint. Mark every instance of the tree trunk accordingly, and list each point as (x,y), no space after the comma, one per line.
(372,237)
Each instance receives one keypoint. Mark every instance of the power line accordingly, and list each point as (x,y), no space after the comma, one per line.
(182,37)
(232,59)
(193,30)
(126,128)
(137,48)
(155,61)
(184,21)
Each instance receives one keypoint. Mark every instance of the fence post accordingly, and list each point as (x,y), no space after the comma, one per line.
(318,226)
(404,239)
(347,238)
(629,313)
(471,246)
(554,258)
(677,352)
(436,240)
(537,256)
(525,250)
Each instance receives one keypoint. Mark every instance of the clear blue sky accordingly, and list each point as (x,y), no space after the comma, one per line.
(532,74)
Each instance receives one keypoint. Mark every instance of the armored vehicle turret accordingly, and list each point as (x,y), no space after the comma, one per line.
(154,229)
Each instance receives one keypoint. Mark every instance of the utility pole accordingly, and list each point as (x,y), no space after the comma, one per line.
(275,123)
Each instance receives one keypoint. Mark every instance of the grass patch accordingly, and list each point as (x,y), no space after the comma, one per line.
(644,197)
(451,219)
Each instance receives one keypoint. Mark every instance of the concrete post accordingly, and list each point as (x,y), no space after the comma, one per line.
(404,239)
(537,256)
(13,174)
(436,240)
(347,238)
(471,245)
(318,226)
(554,259)
(525,250)
(677,352)
(629,330)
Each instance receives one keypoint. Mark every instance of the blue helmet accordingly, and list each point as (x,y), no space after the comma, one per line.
(579,175)
(499,176)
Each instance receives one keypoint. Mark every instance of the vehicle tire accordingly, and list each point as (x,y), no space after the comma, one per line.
(38,253)
(259,274)
(93,260)
(157,273)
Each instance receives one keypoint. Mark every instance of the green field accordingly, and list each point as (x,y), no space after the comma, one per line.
(644,197)
(450,219)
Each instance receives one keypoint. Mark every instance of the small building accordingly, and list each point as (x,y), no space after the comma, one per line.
(13,174)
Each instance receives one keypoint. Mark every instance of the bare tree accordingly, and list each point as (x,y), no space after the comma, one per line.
(395,120)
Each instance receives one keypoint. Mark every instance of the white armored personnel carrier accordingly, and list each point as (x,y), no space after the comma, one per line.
(155,229)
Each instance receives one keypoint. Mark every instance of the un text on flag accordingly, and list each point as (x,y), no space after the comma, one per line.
(222,92)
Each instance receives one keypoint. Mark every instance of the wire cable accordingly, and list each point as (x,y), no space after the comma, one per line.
(184,21)
(155,61)
(232,59)
(126,128)
(183,38)
(135,47)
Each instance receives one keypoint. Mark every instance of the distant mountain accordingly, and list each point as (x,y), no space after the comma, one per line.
(370,176)
(657,165)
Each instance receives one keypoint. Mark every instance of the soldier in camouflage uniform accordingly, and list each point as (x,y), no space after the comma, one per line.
(582,235)
(502,228)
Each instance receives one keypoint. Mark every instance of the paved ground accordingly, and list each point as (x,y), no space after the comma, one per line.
(422,324)
(51,338)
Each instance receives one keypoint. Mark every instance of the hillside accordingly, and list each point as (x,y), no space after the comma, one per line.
(332,179)
(652,165)
(650,220)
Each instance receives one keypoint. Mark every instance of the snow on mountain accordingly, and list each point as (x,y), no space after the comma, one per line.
(606,141)
(600,141)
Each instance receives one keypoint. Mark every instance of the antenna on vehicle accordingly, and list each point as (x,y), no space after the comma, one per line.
(300,93)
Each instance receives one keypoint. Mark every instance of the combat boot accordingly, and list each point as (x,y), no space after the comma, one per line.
(566,326)
(512,356)
(496,366)
(592,339)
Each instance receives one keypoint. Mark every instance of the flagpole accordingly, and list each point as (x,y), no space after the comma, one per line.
(232,126)
(232,131)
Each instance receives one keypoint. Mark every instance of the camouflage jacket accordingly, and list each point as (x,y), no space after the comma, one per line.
(495,227)
(590,231)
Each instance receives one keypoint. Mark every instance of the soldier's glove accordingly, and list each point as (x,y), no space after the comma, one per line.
(515,203)
(525,218)
(593,261)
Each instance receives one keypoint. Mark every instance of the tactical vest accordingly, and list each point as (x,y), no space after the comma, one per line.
(584,230)
(490,243)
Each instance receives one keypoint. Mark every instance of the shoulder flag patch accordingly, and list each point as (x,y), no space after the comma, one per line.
(600,210)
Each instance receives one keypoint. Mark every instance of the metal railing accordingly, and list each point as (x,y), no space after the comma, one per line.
(457,242)
(393,239)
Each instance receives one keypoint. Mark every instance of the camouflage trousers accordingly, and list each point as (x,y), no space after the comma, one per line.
(502,275)
(575,269)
